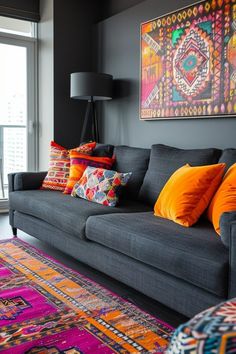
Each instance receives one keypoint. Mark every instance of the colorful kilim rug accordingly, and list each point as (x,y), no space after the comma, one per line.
(46,307)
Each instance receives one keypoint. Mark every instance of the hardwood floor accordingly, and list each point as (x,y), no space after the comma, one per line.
(142,301)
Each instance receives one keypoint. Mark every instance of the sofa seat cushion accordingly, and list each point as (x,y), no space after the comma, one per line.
(194,254)
(64,212)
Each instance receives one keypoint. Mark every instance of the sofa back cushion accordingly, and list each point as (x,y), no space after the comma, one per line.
(164,161)
(135,160)
(228,157)
(103,150)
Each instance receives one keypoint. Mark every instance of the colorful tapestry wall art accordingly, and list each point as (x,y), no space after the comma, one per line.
(188,63)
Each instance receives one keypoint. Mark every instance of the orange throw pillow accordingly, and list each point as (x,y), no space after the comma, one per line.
(224,200)
(79,163)
(188,192)
(59,167)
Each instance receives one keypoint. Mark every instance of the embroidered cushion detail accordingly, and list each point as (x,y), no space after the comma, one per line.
(59,166)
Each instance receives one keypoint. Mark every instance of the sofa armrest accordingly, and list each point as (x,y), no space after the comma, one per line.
(25,180)
(11,177)
(227,221)
(228,237)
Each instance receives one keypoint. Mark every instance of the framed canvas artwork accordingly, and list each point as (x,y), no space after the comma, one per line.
(188,63)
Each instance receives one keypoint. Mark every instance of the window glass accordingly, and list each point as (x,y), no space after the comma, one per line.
(13,109)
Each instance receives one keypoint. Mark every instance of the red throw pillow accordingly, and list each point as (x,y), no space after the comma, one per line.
(59,167)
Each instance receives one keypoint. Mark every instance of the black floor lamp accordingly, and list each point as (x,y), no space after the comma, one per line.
(91,87)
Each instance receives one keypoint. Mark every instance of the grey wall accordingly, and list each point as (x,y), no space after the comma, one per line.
(73,51)
(74,46)
(112,7)
(119,55)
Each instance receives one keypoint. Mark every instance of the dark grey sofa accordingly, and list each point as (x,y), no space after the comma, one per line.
(187,269)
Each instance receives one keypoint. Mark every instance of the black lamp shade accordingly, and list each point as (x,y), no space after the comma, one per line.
(84,85)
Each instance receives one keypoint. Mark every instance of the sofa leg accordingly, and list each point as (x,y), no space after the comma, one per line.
(14,231)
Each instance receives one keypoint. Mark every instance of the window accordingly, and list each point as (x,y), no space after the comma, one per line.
(18,133)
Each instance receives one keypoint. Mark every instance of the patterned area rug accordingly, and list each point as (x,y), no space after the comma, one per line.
(46,307)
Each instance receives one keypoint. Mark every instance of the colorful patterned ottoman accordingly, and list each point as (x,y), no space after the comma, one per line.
(210,332)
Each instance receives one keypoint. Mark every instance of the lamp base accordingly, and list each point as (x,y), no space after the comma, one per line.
(90,117)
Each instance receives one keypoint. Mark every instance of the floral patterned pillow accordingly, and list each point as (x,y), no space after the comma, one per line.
(100,186)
